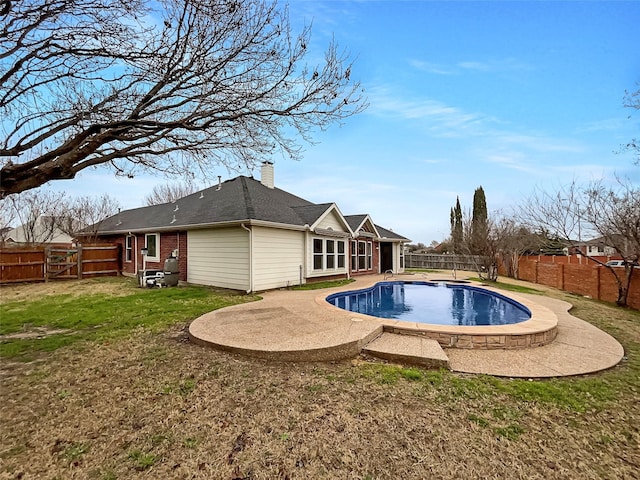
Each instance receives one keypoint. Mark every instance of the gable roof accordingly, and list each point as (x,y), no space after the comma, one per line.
(240,199)
(312,213)
(236,200)
(390,235)
(43,229)
(357,222)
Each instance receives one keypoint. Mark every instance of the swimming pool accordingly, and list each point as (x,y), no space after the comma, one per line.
(433,303)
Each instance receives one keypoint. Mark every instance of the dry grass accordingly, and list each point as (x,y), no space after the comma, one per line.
(27,291)
(156,406)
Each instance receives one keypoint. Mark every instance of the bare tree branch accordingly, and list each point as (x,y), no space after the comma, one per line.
(597,211)
(170,192)
(82,216)
(36,214)
(91,82)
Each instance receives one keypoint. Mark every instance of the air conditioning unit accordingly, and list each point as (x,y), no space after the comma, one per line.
(149,278)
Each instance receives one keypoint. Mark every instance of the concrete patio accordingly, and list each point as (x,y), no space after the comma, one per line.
(301,326)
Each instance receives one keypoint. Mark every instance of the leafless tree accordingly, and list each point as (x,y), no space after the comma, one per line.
(632,100)
(611,214)
(170,192)
(557,213)
(484,253)
(513,241)
(36,213)
(7,216)
(173,86)
(615,215)
(82,216)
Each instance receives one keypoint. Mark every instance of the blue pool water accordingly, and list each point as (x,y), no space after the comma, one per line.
(426,302)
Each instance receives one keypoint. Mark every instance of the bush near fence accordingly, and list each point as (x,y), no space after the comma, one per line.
(41,263)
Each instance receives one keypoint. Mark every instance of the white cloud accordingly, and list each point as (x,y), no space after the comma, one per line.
(458,68)
(438,118)
(480,66)
(429,67)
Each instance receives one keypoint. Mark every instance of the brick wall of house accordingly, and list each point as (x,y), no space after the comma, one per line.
(168,243)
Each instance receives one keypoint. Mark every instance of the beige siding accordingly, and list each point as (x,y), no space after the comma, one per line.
(332,221)
(397,248)
(219,257)
(277,257)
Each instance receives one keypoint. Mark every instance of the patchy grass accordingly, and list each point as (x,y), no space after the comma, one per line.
(71,317)
(511,287)
(327,284)
(149,404)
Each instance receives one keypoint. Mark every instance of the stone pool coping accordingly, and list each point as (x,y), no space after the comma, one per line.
(541,329)
(291,326)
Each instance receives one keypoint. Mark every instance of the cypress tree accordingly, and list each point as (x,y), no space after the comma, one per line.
(479,223)
(456,226)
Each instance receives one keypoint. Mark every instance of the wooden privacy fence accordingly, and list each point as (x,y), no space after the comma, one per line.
(44,263)
(437,261)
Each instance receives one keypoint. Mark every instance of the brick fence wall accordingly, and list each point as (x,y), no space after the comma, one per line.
(583,279)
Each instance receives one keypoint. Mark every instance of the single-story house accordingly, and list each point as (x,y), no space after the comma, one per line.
(246,234)
(41,230)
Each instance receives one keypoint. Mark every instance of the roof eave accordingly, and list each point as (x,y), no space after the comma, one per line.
(201,226)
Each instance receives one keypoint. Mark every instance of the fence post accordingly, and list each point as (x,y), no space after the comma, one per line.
(561,267)
(79,260)
(45,264)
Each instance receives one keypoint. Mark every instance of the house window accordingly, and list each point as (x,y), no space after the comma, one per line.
(369,256)
(128,248)
(362,255)
(354,256)
(340,253)
(401,256)
(318,254)
(152,244)
(328,253)
(330,262)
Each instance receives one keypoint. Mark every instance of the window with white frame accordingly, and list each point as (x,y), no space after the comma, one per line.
(354,256)
(362,255)
(341,254)
(369,255)
(401,256)
(328,254)
(318,254)
(128,248)
(152,244)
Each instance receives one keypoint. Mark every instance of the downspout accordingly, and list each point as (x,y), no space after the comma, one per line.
(135,253)
(250,257)
(305,260)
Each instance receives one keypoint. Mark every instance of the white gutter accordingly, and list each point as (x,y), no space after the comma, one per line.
(250,256)
(202,226)
(135,253)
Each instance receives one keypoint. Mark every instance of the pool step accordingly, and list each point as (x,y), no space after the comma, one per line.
(408,349)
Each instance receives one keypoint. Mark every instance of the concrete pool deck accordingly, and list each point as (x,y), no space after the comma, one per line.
(300,326)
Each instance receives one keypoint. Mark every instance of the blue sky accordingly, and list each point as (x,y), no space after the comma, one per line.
(510,96)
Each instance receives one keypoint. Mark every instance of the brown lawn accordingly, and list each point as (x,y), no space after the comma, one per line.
(157,406)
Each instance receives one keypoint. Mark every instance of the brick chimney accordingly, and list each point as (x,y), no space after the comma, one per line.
(266,174)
